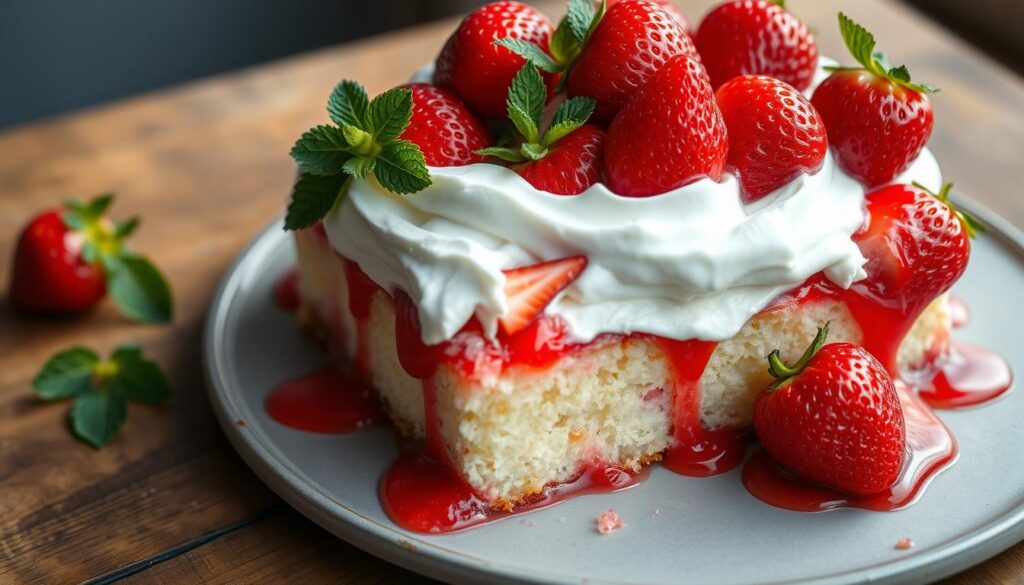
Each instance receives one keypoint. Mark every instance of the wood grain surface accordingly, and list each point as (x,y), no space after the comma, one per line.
(206,166)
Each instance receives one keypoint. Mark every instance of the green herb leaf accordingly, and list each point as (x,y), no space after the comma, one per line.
(359,166)
(348,104)
(140,379)
(579,16)
(139,289)
(532,53)
(859,41)
(523,122)
(312,197)
(401,167)
(98,414)
(126,228)
(66,374)
(528,94)
(505,154)
(99,205)
(389,114)
(322,150)
(569,116)
(563,45)
(357,139)
(533,151)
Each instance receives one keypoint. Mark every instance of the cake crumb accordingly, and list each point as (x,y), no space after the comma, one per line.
(904,544)
(608,521)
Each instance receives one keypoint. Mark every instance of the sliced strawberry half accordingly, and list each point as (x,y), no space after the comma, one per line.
(529,289)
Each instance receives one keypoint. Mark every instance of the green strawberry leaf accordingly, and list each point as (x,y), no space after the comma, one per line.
(126,228)
(528,93)
(312,197)
(401,167)
(859,41)
(359,166)
(389,115)
(322,150)
(505,154)
(579,18)
(138,288)
(348,104)
(66,374)
(140,379)
(532,53)
(98,414)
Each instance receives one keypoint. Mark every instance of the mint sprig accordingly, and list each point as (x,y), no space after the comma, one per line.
(861,44)
(363,141)
(572,33)
(100,388)
(138,288)
(526,98)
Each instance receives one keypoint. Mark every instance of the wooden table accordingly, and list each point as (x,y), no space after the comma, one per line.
(206,166)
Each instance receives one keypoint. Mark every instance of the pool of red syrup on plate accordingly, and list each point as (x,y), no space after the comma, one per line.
(422,492)
(328,400)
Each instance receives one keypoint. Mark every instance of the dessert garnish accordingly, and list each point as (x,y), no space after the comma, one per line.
(833,417)
(608,54)
(565,158)
(670,134)
(68,259)
(364,140)
(775,134)
(878,120)
(756,38)
(100,389)
(530,288)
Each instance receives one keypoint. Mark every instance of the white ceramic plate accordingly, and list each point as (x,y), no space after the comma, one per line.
(678,529)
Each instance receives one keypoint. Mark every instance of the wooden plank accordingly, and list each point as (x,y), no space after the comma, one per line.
(206,165)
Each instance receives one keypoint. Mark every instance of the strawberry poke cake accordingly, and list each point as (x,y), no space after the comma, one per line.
(564,252)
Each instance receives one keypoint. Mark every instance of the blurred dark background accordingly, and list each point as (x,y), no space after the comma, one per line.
(59,55)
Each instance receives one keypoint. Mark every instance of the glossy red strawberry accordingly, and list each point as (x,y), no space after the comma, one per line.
(628,46)
(774,133)
(530,289)
(50,275)
(479,71)
(877,119)
(917,245)
(758,37)
(672,10)
(670,134)
(443,127)
(66,260)
(566,158)
(833,417)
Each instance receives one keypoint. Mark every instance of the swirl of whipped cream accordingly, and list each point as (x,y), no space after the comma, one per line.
(691,263)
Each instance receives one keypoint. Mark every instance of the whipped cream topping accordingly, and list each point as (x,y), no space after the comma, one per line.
(691,263)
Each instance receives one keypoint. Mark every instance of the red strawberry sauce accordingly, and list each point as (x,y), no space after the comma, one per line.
(422,492)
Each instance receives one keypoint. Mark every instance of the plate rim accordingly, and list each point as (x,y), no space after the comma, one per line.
(435,560)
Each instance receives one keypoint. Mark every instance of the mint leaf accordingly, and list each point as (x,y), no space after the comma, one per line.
(389,114)
(523,122)
(528,93)
(359,166)
(348,104)
(569,116)
(401,167)
(533,151)
(140,379)
(98,414)
(139,289)
(66,374)
(505,154)
(563,45)
(579,16)
(532,53)
(312,197)
(859,41)
(322,150)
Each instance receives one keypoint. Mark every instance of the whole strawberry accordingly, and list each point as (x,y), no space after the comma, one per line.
(66,261)
(670,134)
(609,56)
(477,70)
(758,37)
(566,158)
(917,245)
(833,417)
(877,119)
(774,133)
(446,131)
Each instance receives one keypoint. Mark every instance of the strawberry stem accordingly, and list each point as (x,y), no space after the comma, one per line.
(783,371)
